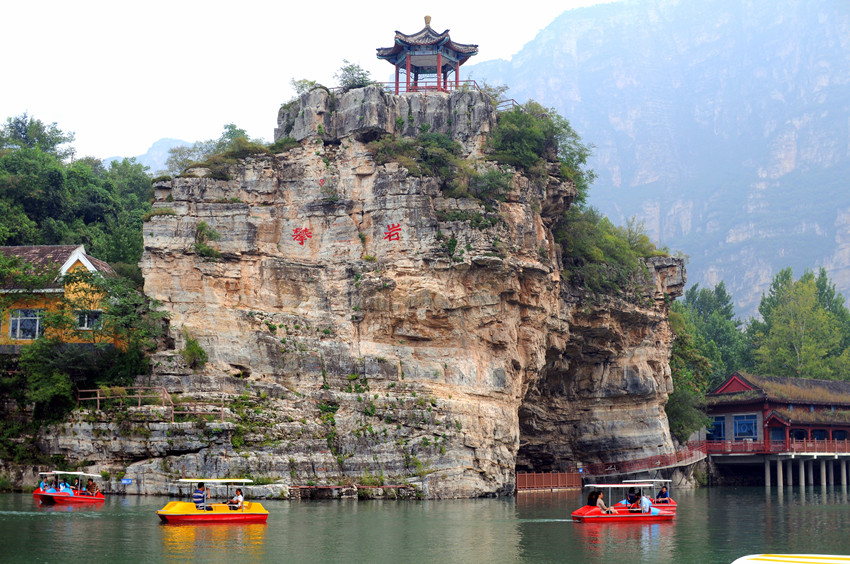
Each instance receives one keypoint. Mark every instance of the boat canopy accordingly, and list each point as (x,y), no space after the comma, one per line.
(617,486)
(642,481)
(60,473)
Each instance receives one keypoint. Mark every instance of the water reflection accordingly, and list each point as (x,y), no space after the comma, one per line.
(651,542)
(247,540)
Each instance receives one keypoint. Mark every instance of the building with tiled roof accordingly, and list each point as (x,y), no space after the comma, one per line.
(23,310)
(424,53)
(781,419)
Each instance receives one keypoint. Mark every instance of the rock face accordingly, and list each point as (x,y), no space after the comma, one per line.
(359,324)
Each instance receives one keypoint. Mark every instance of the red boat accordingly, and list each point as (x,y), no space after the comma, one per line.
(47,492)
(594,514)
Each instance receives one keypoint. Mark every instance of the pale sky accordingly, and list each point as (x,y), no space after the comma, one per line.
(122,74)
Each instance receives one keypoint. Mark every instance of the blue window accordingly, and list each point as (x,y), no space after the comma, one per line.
(717,431)
(819,435)
(88,320)
(839,435)
(745,427)
(26,324)
(799,434)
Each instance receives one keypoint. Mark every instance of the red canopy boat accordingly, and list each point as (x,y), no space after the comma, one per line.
(592,513)
(48,492)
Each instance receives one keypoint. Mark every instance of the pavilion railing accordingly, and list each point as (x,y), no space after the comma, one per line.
(767,447)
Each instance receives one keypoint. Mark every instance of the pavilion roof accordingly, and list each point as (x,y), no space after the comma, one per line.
(427,37)
(783,390)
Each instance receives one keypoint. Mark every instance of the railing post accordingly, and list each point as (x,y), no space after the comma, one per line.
(98,399)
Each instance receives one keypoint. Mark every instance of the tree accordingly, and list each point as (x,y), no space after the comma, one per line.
(23,131)
(690,371)
(182,157)
(303,85)
(351,75)
(804,329)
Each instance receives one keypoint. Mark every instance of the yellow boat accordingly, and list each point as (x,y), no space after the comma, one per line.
(188,512)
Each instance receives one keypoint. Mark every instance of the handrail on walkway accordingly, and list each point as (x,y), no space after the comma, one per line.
(120,393)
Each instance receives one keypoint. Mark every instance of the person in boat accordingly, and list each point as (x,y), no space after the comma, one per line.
(199,497)
(91,487)
(591,498)
(76,485)
(632,497)
(645,503)
(600,503)
(663,496)
(236,501)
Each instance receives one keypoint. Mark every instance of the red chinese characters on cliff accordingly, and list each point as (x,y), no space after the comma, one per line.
(301,234)
(393,232)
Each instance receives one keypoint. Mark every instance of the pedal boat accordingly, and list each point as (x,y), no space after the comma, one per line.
(592,514)
(67,496)
(666,505)
(188,512)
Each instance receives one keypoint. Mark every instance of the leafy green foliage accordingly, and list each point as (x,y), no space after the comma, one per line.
(193,353)
(530,136)
(44,201)
(804,331)
(203,235)
(351,75)
(233,144)
(598,255)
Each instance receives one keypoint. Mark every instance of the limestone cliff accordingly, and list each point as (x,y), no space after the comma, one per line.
(411,335)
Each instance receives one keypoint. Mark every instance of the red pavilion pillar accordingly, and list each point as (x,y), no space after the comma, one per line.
(407,72)
(439,70)
(396,80)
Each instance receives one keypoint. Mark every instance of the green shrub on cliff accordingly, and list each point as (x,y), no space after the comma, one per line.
(193,353)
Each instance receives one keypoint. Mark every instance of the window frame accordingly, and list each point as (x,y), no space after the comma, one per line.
(740,425)
(98,319)
(16,318)
(710,435)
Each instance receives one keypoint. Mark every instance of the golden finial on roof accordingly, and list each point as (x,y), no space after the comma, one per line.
(428,20)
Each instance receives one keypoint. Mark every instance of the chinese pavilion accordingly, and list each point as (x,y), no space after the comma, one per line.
(424,53)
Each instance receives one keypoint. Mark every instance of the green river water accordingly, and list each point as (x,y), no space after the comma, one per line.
(712,525)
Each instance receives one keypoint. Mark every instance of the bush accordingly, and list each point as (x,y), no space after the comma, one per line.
(351,75)
(192,352)
(157,211)
(203,234)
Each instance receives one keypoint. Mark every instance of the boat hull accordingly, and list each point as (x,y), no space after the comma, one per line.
(588,514)
(186,512)
(65,497)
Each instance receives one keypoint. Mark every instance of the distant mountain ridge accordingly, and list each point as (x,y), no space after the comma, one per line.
(723,125)
(156,156)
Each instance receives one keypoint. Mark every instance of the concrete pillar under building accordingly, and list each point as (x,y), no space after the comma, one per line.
(830,464)
(780,479)
(801,466)
(822,472)
(789,471)
(766,472)
(810,474)
(843,471)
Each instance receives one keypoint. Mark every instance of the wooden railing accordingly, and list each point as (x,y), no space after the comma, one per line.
(138,393)
(692,452)
(767,447)
(547,480)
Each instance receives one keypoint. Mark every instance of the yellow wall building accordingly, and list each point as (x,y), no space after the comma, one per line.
(23,313)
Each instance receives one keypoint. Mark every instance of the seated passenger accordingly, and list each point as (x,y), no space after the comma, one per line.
(235,502)
(199,496)
(601,504)
(645,504)
(91,487)
(663,496)
(631,498)
(591,498)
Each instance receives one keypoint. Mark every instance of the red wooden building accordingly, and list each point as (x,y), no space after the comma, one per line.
(425,54)
(780,419)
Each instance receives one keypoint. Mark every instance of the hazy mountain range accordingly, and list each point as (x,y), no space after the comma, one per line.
(724,125)
(156,156)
